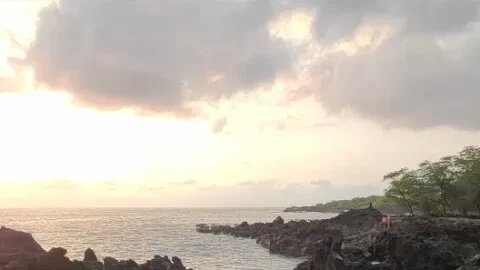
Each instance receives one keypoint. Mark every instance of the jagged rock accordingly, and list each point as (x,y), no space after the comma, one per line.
(354,241)
(89,256)
(429,243)
(294,238)
(278,220)
(11,240)
(326,254)
(177,261)
(110,263)
(359,219)
(471,264)
(57,252)
(26,254)
(203,228)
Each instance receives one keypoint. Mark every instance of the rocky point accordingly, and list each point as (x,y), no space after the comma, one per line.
(355,240)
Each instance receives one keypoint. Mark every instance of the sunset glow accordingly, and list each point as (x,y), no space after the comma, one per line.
(300,123)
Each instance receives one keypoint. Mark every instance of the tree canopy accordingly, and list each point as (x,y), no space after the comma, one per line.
(449,186)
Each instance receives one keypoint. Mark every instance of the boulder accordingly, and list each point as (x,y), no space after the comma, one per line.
(177,263)
(18,241)
(278,220)
(110,263)
(326,254)
(57,252)
(19,251)
(89,256)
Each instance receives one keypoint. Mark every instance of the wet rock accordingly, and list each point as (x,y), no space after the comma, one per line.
(203,228)
(89,256)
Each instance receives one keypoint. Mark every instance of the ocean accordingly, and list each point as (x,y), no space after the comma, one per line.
(140,234)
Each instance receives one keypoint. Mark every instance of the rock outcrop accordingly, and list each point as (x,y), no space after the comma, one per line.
(295,238)
(278,220)
(429,243)
(18,241)
(354,241)
(412,243)
(89,256)
(19,251)
(16,246)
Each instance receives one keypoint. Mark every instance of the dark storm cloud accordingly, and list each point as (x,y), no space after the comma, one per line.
(155,55)
(424,75)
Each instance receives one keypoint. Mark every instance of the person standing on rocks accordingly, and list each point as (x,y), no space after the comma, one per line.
(386,223)
(389,222)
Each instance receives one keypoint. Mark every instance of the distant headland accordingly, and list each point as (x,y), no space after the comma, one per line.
(381,203)
(447,187)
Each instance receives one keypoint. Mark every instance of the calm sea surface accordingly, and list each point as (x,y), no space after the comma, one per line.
(141,233)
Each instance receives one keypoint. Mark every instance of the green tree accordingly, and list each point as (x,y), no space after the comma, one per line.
(440,176)
(450,185)
(467,163)
(402,188)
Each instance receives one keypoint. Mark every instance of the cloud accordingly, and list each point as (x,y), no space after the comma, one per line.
(219,125)
(246,183)
(335,20)
(207,188)
(156,56)
(189,182)
(150,188)
(321,182)
(400,63)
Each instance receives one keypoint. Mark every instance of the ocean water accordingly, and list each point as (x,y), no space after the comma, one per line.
(141,233)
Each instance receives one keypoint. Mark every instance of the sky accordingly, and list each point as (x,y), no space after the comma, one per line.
(229,103)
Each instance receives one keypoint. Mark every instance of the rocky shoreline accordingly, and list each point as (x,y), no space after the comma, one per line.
(19,251)
(354,241)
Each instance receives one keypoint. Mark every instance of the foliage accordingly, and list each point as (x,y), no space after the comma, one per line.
(449,186)
(382,203)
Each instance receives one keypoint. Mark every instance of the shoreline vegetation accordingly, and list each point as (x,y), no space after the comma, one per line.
(383,204)
(448,187)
